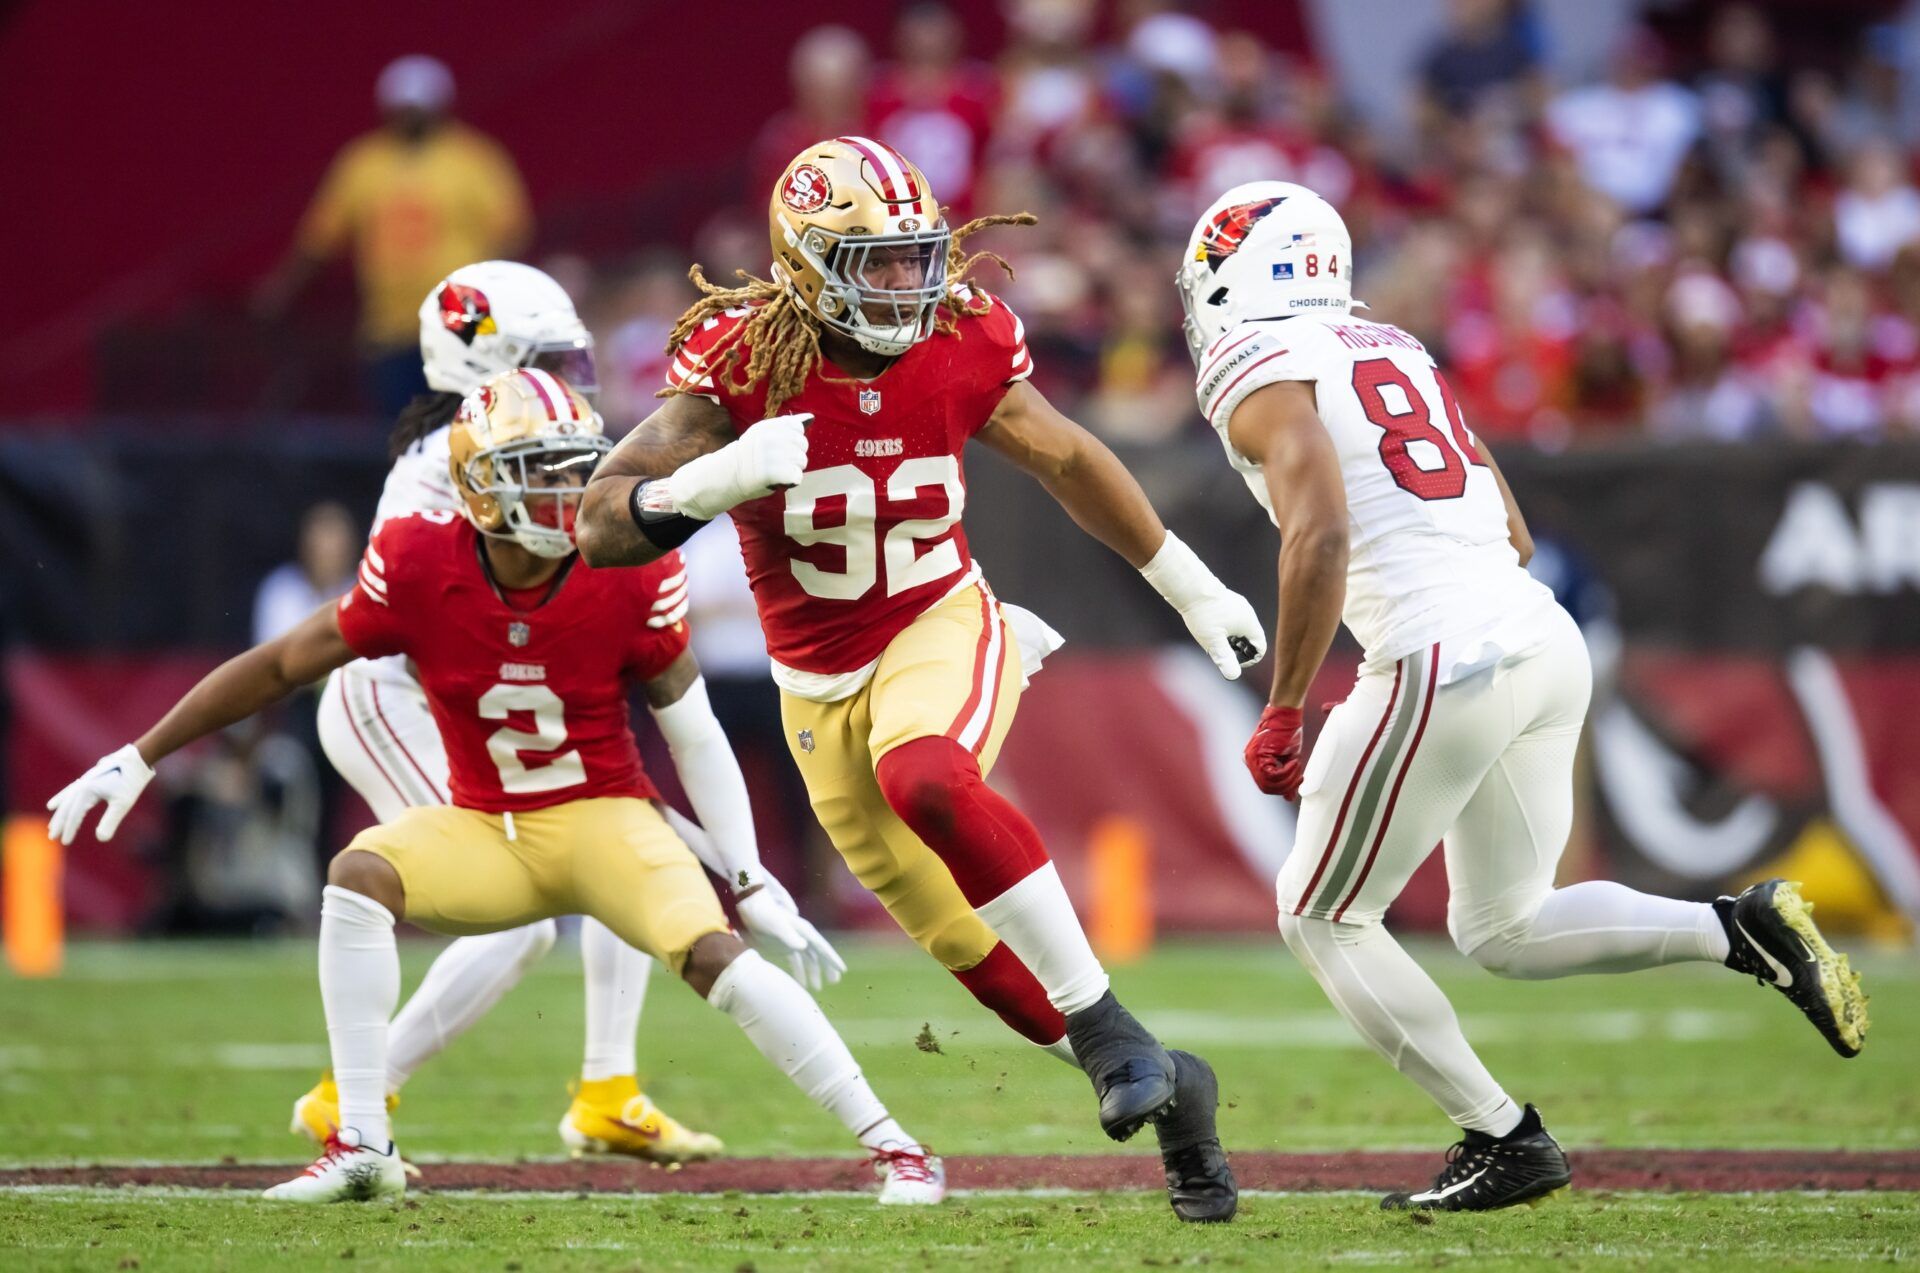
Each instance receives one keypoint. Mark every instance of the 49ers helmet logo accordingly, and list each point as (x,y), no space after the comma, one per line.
(466,313)
(806,189)
(1229,229)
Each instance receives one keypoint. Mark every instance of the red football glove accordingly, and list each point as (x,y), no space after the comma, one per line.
(1273,753)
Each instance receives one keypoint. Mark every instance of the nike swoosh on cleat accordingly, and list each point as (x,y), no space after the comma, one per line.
(1435,1195)
(1781,976)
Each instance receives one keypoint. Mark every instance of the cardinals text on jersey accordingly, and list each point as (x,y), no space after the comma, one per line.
(841,563)
(530,693)
(1427,534)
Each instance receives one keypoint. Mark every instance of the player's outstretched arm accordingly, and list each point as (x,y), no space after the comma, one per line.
(1104,500)
(231,692)
(1517,533)
(679,469)
(1279,428)
(710,774)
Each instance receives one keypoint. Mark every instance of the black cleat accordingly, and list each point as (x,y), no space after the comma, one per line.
(1486,1173)
(1200,1183)
(1772,938)
(1132,1074)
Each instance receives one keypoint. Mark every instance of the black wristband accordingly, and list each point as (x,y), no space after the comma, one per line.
(665,531)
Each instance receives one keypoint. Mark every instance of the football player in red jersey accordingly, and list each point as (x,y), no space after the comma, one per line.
(525,654)
(827,409)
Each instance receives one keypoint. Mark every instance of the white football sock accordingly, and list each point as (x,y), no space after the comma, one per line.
(359,986)
(616,988)
(1600,926)
(1061,1049)
(464,983)
(783,1021)
(1035,919)
(1402,1015)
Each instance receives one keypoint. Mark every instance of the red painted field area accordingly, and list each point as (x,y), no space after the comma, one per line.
(1717,1170)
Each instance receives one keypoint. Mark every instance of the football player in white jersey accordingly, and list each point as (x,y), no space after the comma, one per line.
(1464,719)
(377,730)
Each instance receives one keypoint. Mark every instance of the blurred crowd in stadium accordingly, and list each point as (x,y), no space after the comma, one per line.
(1611,220)
(1711,241)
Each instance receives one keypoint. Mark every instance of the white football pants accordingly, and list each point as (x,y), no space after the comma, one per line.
(1486,763)
(380,735)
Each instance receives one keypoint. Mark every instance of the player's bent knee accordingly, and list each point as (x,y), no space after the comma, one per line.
(536,940)
(960,943)
(1304,934)
(1502,953)
(921,780)
(1293,931)
(369,875)
(708,958)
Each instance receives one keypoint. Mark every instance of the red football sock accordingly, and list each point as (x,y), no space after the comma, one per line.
(934,784)
(1003,983)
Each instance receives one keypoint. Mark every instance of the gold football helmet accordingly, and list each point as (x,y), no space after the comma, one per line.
(858,238)
(520,453)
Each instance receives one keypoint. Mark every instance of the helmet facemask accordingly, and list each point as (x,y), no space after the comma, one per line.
(570,360)
(1192,279)
(533,487)
(882,291)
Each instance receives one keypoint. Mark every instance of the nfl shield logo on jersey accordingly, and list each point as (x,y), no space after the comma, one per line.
(518,634)
(869,401)
(806,741)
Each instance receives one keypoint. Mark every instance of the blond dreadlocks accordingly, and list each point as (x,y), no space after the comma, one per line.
(782,337)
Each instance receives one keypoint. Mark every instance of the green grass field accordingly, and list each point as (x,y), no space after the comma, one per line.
(193,1053)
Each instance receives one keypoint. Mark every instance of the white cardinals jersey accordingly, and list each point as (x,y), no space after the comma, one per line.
(1427,528)
(418,482)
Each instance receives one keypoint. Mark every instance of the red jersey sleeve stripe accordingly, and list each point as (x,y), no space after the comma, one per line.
(1209,368)
(1234,383)
(373,591)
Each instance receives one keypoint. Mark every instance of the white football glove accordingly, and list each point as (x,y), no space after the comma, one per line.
(770,456)
(116,780)
(1220,619)
(769,913)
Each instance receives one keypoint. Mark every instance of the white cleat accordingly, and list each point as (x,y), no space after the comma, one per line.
(346,1171)
(910,1177)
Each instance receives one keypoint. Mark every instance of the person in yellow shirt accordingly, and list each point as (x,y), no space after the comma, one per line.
(412,200)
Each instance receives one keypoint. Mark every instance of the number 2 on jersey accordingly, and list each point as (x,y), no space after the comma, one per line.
(907,566)
(549,734)
(1371,379)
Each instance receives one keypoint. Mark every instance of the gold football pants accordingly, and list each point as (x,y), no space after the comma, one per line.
(614,858)
(953,672)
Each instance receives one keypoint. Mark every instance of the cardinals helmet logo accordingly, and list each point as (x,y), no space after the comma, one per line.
(1229,229)
(466,313)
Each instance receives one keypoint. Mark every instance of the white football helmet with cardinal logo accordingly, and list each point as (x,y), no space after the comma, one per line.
(1265,249)
(493,316)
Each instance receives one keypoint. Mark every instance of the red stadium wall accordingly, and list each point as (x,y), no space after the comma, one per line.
(159,155)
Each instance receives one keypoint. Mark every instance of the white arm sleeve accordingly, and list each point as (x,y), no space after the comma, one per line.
(714,785)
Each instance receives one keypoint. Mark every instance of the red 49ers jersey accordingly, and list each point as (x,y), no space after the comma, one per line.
(871,537)
(531,704)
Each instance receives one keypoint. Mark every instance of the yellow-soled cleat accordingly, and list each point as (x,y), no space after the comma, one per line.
(613,1116)
(316,1114)
(1772,938)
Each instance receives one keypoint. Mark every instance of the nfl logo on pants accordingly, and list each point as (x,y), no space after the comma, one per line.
(806,740)
(869,401)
